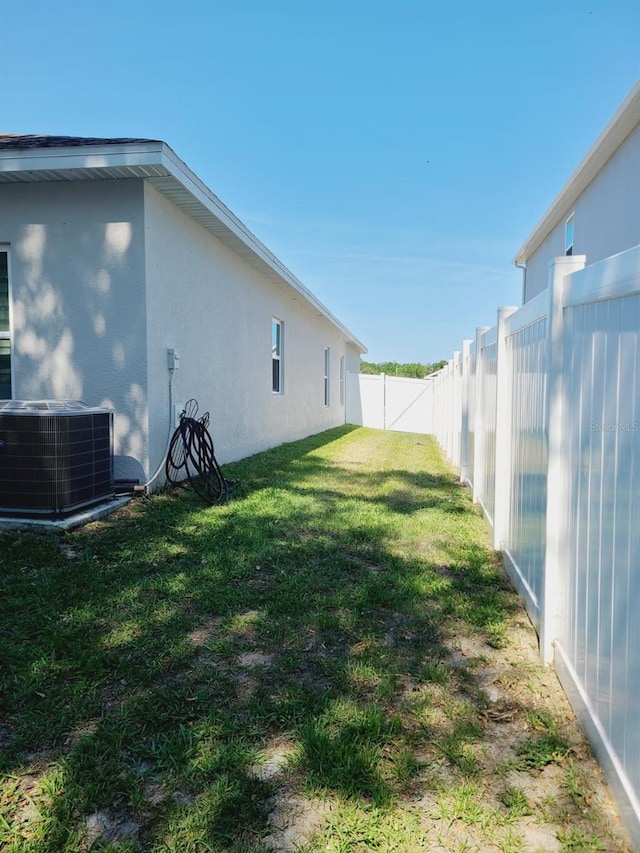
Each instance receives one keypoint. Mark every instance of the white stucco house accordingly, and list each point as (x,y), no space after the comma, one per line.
(112,253)
(597,212)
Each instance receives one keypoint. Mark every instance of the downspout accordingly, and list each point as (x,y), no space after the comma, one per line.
(523,267)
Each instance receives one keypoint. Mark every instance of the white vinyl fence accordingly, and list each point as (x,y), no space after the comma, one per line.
(541,415)
(390,402)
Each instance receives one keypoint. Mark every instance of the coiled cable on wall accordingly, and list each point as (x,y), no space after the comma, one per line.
(191,457)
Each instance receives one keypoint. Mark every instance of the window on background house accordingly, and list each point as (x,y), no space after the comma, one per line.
(342,380)
(277,361)
(568,235)
(5,331)
(327,365)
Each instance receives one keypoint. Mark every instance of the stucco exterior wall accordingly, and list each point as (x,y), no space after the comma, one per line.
(216,309)
(352,359)
(607,217)
(78,301)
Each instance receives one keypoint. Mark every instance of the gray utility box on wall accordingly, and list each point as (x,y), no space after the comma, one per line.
(55,456)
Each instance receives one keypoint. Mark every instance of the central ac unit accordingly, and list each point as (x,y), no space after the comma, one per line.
(55,456)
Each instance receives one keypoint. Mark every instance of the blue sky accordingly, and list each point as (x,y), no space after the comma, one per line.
(394,155)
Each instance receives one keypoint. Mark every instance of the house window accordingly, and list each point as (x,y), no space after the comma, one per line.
(5,331)
(342,380)
(568,235)
(277,361)
(327,364)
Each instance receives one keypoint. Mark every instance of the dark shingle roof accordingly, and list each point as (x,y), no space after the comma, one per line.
(30,141)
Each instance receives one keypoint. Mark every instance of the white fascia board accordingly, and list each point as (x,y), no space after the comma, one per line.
(74,157)
(614,134)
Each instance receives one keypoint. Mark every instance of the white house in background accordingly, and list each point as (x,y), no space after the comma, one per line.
(112,253)
(597,213)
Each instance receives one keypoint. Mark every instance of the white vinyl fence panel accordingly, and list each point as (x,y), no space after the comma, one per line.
(525,544)
(555,464)
(442,404)
(471,419)
(486,494)
(365,400)
(456,431)
(447,402)
(601,636)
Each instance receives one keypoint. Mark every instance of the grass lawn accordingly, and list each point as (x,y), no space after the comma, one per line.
(333,661)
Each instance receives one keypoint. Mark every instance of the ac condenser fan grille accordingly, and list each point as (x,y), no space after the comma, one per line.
(54,460)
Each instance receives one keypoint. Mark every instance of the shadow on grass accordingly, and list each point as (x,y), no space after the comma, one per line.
(147,660)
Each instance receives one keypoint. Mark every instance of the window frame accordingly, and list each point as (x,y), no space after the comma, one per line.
(342,380)
(277,356)
(7,334)
(569,233)
(327,377)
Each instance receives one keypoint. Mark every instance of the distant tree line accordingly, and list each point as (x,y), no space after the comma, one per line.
(411,370)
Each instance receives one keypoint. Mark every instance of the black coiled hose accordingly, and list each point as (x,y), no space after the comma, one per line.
(191,457)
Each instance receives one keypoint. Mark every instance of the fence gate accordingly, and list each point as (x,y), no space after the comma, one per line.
(390,402)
